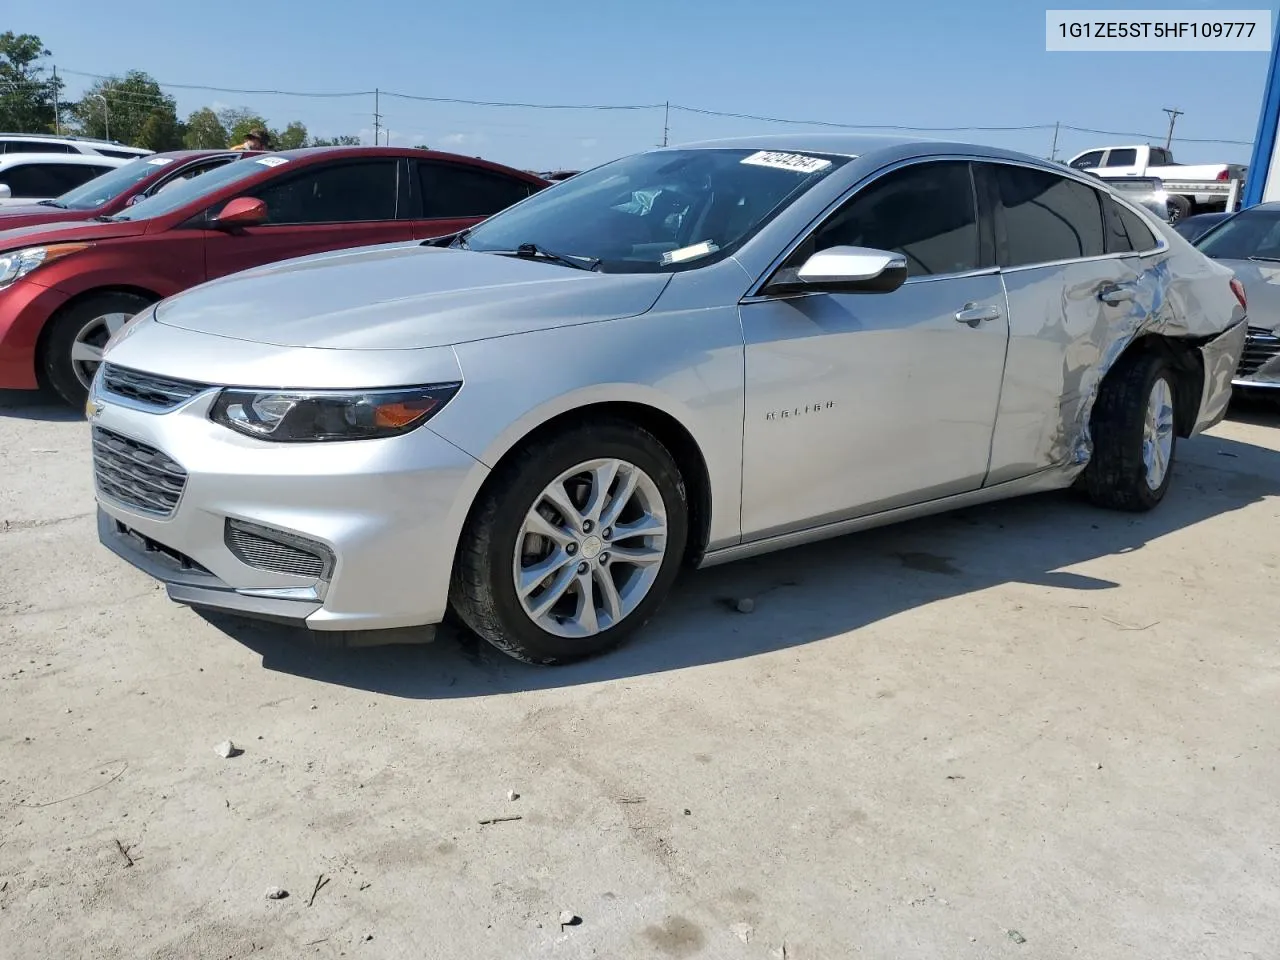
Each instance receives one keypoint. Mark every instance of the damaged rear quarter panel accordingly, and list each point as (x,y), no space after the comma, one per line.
(1064,340)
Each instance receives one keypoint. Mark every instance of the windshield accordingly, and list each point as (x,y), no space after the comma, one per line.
(91,195)
(181,192)
(664,210)
(1253,233)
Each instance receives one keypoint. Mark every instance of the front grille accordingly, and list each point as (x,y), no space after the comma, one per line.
(164,393)
(277,551)
(136,475)
(1260,345)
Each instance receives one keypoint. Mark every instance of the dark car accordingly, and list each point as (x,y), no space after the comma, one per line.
(1249,243)
(1193,228)
(66,287)
(108,194)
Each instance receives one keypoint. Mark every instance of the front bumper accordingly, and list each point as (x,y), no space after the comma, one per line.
(385,514)
(24,309)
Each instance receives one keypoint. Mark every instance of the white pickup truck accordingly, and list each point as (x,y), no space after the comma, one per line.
(1193,188)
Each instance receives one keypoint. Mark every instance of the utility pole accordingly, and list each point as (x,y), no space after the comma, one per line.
(57,123)
(666,122)
(1053,154)
(1174,114)
(377,117)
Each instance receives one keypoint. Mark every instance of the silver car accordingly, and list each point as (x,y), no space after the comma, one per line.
(682,357)
(1248,243)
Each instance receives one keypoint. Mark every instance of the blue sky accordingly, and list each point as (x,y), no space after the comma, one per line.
(912,62)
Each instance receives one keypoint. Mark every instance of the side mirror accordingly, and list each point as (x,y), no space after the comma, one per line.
(241,212)
(843,270)
(5,192)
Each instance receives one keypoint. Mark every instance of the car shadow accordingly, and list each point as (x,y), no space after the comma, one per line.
(815,592)
(36,405)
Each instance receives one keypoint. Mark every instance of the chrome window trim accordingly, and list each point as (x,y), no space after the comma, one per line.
(754,293)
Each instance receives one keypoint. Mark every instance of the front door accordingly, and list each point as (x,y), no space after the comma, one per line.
(331,206)
(858,403)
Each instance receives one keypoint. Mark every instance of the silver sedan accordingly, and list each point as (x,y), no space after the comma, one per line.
(682,357)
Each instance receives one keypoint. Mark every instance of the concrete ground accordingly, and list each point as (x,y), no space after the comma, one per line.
(1028,730)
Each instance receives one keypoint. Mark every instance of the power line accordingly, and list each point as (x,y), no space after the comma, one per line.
(666,107)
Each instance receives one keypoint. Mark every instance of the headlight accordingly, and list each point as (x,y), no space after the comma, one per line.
(304,416)
(18,263)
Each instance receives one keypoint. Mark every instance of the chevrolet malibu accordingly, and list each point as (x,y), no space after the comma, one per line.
(682,357)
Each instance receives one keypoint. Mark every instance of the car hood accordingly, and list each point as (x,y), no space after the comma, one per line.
(404,296)
(1261,281)
(31,214)
(42,234)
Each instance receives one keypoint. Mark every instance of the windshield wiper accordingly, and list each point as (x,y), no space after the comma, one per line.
(53,203)
(103,218)
(1266,259)
(530,251)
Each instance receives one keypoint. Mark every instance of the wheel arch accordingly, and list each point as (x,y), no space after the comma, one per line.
(1187,364)
(669,429)
(46,330)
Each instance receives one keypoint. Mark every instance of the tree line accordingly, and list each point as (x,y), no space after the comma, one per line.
(131,109)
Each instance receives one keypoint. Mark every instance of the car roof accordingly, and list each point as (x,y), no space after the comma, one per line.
(76,159)
(303,153)
(868,145)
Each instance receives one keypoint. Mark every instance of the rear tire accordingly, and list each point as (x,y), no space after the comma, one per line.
(1134,435)
(1179,207)
(76,333)
(548,584)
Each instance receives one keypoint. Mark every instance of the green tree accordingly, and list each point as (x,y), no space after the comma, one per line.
(27,95)
(345,140)
(421,146)
(204,131)
(239,121)
(121,108)
(292,137)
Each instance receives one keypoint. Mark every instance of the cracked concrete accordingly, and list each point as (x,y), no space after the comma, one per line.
(1032,718)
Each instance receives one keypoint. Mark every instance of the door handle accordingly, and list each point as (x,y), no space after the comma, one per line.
(974,313)
(1115,295)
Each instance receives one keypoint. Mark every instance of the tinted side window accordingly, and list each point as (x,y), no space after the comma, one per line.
(1047,217)
(32,146)
(1139,234)
(71,176)
(32,180)
(1160,157)
(459,191)
(334,193)
(925,212)
(1091,159)
(1122,158)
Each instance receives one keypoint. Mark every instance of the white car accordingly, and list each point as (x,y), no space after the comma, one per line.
(33,177)
(44,143)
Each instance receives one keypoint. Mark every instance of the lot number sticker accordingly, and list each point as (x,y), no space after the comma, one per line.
(160,161)
(272,161)
(796,162)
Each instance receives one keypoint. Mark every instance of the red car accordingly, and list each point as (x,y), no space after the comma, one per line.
(66,287)
(108,194)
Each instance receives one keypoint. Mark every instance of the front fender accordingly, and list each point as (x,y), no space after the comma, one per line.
(686,364)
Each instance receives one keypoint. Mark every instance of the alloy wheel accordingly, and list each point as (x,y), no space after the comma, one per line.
(86,350)
(590,548)
(1157,433)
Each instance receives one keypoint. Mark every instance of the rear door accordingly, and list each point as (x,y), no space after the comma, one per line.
(448,197)
(324,206)
(1067,297)
(1121,162)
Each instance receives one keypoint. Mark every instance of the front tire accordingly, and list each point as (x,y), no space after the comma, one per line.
(573,543)
(1134,435)
(76,337)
